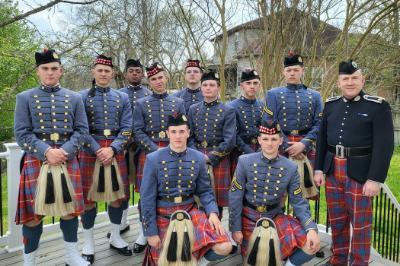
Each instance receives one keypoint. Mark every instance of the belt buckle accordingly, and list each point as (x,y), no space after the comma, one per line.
(204,144)
(178,199)
(340,151)
(161,135)
(294,132)
(107,132)
(54,137)
(261,208)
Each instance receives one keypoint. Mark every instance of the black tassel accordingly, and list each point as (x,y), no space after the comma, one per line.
(272,259)
(101,185)
(92,89)
(50,198)
(307,180)
(172,247)
(186,252)
(114,179)
(66,195)
(253,253)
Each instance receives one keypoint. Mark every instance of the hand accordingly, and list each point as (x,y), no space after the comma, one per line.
(319,178)
(154,241)
(299,156)
(238,237)
(216,223)
(56,156)
(371,188)
(313,242)
(105,155)
(295,148)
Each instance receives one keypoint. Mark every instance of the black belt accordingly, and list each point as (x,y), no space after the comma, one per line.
(168,217)
(343,152)
(103,132)
(264,208)
(205,144)
(297,132)
(53,136)
(158,135)
(178,199)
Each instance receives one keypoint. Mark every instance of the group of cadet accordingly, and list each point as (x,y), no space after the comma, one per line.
(189,155)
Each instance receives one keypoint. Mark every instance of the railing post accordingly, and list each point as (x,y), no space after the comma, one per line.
(14,233)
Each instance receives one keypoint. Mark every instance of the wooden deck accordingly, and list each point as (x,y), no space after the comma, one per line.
(51,250)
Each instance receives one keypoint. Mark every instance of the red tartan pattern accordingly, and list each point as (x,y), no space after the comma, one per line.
(234,155)
(222,180)
(310,155)
(290,231)
(87,162)
(140,165)
(27,189)
(347,205)
(205,237)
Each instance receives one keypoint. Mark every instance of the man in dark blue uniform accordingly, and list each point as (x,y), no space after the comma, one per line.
(151,114)
(354,148)
(50,123)
(213,132)
(134,75)
(191,93)
(172,177)
(248,116)
(109,115)
(261,180)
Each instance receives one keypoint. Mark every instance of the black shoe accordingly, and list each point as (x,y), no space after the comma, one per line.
(122,231)
(89,258)
(234,249)
(137,248)
(125,251)
(320,254)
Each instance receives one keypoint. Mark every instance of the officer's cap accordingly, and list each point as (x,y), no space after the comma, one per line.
(154,69)
(293,59)
(193,63)
(177,119)
(210,75)
(47,56)
(348,67)
(249,74)
(133,63)
(269,127)
(103,60)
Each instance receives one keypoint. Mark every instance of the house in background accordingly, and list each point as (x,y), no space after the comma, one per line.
(245,47)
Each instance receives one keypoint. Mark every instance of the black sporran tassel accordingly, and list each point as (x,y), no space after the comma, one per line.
(92,89)
(307,180)
(66,196)
(101,185)
(50,197)
(186,252)
(172,247)
(272,259)
(114,179)
(253,253)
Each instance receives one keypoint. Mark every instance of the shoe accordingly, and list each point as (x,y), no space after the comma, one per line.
(137,248)
(30,259)
(121,231)
(203,262)
(320,254)
(72,256)
(125,251)
(89,258)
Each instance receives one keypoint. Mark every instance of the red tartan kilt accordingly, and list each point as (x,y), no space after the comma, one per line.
(222,180)
(87,162)
(27,189)
(234,156)
(140,166)
(205,236)
(290,231)
(310,155)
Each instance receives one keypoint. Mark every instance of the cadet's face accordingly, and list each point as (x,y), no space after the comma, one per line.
(158,82)
(293,74)
(351,85)
(102,74)
(210,89)
(250,88)
(178,136)
(134,75)
(192,75)
(270,144)
(50,73)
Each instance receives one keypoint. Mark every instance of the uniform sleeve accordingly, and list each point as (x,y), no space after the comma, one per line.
(148,201)
(382,143)
(141,138)
(300,205)
(204,189)
(80,127)
(181,108)
(229,136)
(317,115)
(270,107)
(23,129)
(191,140)
(236,195)
(321,148)
(125,126)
